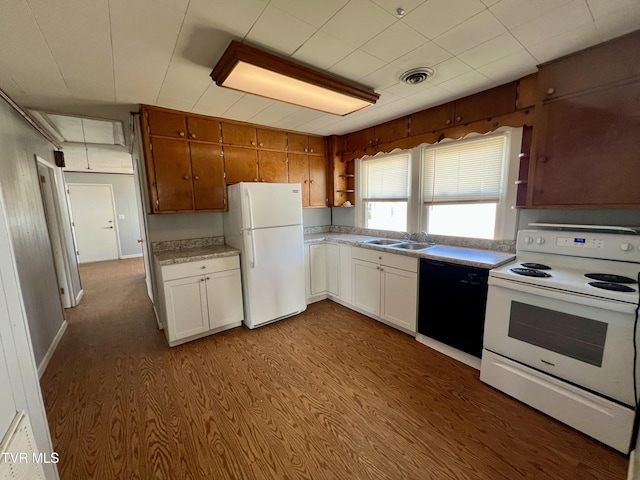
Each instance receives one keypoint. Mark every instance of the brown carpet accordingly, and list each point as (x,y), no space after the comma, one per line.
(328,394)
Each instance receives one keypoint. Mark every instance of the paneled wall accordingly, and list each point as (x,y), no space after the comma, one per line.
(19,142)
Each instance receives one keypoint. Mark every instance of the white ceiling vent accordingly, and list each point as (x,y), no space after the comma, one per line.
(68,128)
(416,75)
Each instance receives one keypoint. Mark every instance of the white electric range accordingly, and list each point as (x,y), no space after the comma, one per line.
(559,328)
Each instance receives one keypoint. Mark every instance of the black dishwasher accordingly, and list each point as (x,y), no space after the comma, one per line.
(452,302)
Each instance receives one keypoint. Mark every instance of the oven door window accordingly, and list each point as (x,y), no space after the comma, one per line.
(569,335)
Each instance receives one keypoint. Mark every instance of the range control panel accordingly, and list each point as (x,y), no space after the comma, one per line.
(608,246)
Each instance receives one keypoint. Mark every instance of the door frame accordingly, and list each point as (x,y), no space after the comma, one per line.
(113,208)
(56,235)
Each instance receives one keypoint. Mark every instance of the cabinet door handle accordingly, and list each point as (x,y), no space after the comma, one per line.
(186,177)
(181,133)
(196,178)
(253,143)
(448,121)
(311,150)
(261,144)
(310,181)
(551,91)
(381,269)
(208,278)
(193,135)
(458,119)
(203,267)
(202,279)
(542,159)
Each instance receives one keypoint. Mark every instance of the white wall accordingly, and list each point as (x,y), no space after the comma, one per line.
(315,217)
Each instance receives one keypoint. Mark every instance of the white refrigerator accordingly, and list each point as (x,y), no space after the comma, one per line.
(264,221)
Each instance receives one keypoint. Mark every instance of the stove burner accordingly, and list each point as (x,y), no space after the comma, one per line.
(612,286)
(536,266)
(529,272)
(609,278)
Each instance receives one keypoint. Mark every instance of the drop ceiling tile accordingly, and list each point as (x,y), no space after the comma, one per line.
(392,5)
(357,65)
(144,36)
(280,32)
(313,13)
(471,32)
(319,125)
(566,43)
(216,100)
(298,118)
(274,113)
(247,107)
(517,12)
(490,51)
(510,68)
(614,18)
(488,3)
(382,78)
(467,83)
(86,65)
(435,17)
(404,90)
(429,98)
(323,50)
(426,55)
(394,42)
(358,22)
(568,17)
(447,70)
(235,17)
(175,103)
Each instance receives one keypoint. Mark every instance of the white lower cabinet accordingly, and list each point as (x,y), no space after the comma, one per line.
(326,272)
(385,285)
(200,298)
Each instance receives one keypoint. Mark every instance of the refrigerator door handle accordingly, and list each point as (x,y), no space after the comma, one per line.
(249,207)
(254,261)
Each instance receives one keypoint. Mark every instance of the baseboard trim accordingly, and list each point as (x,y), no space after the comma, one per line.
(56,340)
(79,296)
(449,351)
(133,255)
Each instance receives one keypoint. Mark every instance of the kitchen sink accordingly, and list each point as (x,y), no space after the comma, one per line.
(383,241)
(413,246)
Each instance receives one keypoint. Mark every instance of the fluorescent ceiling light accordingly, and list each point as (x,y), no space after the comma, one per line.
(250,70)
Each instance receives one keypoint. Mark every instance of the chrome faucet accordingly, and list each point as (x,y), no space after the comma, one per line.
(425,237)
(407,236)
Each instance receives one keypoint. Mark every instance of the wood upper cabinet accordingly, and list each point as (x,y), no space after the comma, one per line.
(242,135)
(297,142)
(489,103)
(585,150)
(317,181)
(272,166)
(172,175)
(166,124)
(272,139)
(203,129)
(241,164)
(299,173)
(433,119)
(361,139)
(207,165)
(392,130)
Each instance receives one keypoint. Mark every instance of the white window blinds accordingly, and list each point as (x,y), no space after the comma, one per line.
(468,171)
(385,178)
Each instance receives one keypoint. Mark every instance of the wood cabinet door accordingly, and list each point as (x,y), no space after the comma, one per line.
(203,129)
(209,189)
(299,173)
(317,181)
(233,134)
(172,172)
(297,142)
(224,298)
(317,145)
(166,124)
(361,139)
(272,166)
(392,130)
(490,103)
(586,148)
(240,164)
(272,139)
(433,119)
(399,297)
(186,307)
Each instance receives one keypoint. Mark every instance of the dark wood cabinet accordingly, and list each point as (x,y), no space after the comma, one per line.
(317,145)
(272,139)
(235,134)
(361,140)
(272,166)
(391,130)
(172,175)
(587,150)
(489,103)
(203,129)
(311,172)
(207,165)
(298,143)
(166,124)
(241,164)
(299,173)
(433,119)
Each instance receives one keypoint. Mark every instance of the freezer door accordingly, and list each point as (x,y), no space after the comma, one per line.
(271,204)
(273,268)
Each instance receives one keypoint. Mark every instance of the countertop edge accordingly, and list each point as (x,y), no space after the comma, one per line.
(176,257)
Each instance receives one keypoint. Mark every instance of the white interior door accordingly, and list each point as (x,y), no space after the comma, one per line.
(94,222)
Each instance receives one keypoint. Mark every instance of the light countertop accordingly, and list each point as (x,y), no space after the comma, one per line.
(184,255)
(459,255)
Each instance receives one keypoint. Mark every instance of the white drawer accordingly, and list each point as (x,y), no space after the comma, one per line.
(199,267)
(384,258)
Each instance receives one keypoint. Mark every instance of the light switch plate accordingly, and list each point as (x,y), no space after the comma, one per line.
(121,217)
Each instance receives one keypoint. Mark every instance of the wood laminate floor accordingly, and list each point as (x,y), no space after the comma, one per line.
(329,394)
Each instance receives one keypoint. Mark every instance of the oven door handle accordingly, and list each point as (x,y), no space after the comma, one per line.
(569,297)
